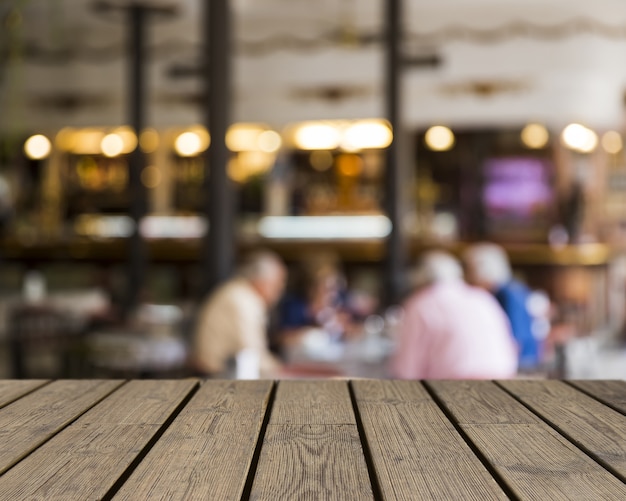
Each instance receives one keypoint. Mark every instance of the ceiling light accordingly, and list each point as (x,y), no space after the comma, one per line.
(317,136)
(439,138)
(269,141)
(37,147)
(535,136)
(612,142)
(112,145)
(367,134)
(188,144)
(579,138)
(243,137)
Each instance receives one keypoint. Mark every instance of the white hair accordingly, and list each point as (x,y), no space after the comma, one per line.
(437,266)
(260,265)
(488,263)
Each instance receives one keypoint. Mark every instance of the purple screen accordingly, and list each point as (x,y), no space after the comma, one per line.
(517,187)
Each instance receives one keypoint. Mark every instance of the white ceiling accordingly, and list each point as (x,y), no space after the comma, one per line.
(504,62)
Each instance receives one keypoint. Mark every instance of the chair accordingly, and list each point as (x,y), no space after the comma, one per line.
(43,342)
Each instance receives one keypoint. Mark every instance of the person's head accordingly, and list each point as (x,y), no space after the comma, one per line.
(266,273)
(436,267)
(487,265)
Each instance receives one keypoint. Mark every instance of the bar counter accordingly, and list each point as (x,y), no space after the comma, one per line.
(319,439)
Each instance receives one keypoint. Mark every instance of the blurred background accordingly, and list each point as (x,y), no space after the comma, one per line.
(351,129)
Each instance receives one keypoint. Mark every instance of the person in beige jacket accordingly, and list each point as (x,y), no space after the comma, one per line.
(233,320)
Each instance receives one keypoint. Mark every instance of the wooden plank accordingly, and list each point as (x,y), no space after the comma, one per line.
(86,459)
(207,451)
(598,429)
(12,389)
(313,402)
(416,451)
(312,448)
(612,393)
(29,422)
(534,460)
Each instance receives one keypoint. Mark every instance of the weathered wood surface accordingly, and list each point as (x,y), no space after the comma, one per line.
(586,422)
(12,390)
(208,450)
(612,393)
(533,459)
(86,460)
(348,440)
(29,422)
(416,450)
(312,448)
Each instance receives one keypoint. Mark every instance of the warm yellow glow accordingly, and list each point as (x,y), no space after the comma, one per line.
(37,147)
(439,138)
(129,138)
(87,142)
(149,140)
(366,134)
(242,137)
(256,162)
(317,136)
(151,176)
(349,165)
(321,160)
(249,163)
(579,138)
(188,144)
(236,170)
(65,139)
(112,145)
(203,134)
(535,136)
(612,142)
(269,141)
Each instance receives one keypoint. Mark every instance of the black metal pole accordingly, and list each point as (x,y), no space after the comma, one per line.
(219,246)
(395,245)
(137,256)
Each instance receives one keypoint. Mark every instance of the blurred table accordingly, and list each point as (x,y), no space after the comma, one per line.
(316,353)
(362,439)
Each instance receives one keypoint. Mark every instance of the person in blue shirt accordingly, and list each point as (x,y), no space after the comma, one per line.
(487,266)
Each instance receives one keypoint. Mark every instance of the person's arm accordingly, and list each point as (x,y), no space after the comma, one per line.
(251,327)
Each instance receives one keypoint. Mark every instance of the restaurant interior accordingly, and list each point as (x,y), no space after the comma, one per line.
(363,131)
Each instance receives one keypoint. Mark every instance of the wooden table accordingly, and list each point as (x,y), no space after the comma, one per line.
(325,439)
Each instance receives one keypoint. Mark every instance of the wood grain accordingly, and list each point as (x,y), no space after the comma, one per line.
(534,460)
(597,428)
(12,389)
(313,402)
(88,457)
(612,393)
(32,420)
(312,448)
(207,451)
(416,451)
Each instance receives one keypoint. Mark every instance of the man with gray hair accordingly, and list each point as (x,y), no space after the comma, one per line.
(451,330)
(233,320)
(488,267)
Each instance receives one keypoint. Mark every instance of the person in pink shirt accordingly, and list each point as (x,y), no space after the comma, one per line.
(452,330)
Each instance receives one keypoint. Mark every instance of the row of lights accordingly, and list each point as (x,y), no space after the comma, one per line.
(348,136)
(575,136)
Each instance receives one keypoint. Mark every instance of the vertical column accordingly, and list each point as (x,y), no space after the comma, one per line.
(220,206)
(136,108)
(395,244)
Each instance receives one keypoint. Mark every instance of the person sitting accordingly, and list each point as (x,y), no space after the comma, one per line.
(451,330)
(316,299)
(234,318)
(487,266)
